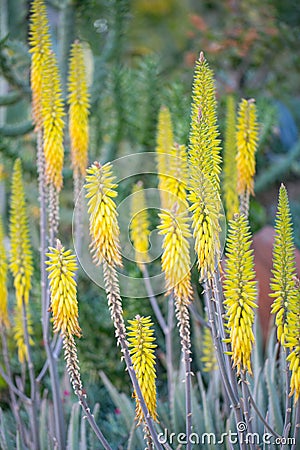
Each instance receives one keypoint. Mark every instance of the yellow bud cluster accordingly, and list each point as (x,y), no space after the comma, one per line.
(205,208)
(139,227)
(20,256)
(4,320)
(230,168)
(19,332)
(104,228)
(208,357)
(176,182)
(282,282)
(165,141)
(176,262)
(247,141)
(40,43)
(204,147)
(79,109)
(141,345)
(240,292)
(63,304)
(293,343)
(53,124)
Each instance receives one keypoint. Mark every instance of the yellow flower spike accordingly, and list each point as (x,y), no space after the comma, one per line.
(204,168)
(63,303)
(79,109)
(176,182)
(240,292)
(282,282)
(204,147)
(139,227)
(4,320)
(208,358)
(247,141)
(40,43)
(205,208)
(230,168)
(293,343)
(141,345)
(176,262)
(53,124)
(104,228)
(19,332)
(20,255)
(165,141)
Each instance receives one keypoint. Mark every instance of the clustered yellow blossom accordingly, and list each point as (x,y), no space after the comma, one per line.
(240,293)
(63,304)
(230,167)
(141,345)
(4,320)
(21,255)
(20,259)
(247,141)
(39,39)
(204,146)
(53,123)
(282,282)
(19,335)
(293,343)
(139,227)
(48,107)
(176,262)
(204,168)
(104,228)
(208,357)
(165,141)
(205,208)
(176,182)
(79,109)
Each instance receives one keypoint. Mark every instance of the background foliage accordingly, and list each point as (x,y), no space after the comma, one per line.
(140,55)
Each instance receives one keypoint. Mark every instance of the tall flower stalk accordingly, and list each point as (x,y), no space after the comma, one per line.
(230,166)
(64,307)
(48,115)
(204,186)
(240,293)
(247,142)
(204,168)
(105,249)
(282,282)
(176,265)
(284,293)
(4,320)
(22,269)
(79,104)
(165,142)
(139,226)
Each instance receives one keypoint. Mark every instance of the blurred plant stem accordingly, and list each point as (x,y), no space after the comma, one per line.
(166,328)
